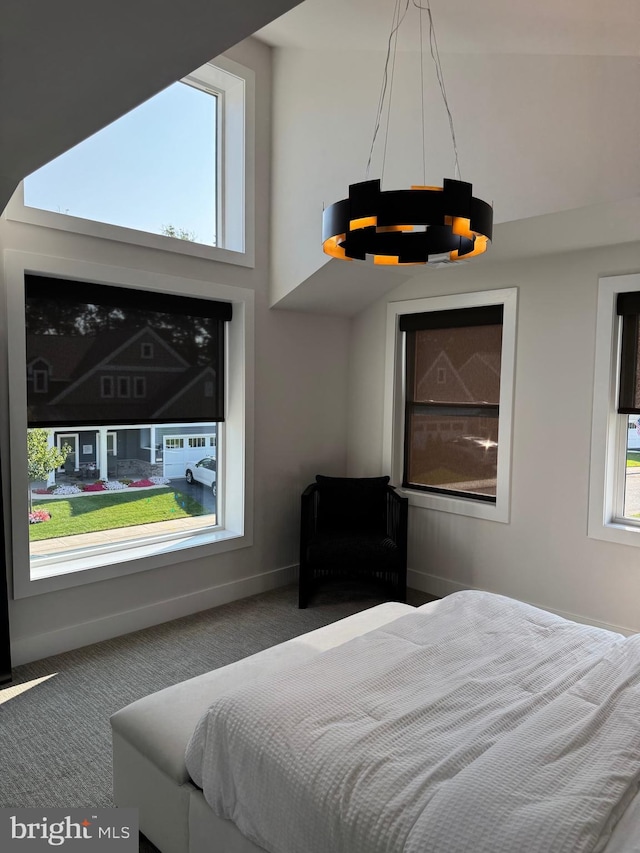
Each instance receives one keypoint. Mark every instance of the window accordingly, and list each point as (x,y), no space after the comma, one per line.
(106,386)
(124,386)
(464,408)
(448,401)
(176,173)
(146,350)
(614,490)
(139,386)
(40,381)
(116,444)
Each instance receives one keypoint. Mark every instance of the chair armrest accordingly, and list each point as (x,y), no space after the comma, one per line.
(308,517)
(397,517)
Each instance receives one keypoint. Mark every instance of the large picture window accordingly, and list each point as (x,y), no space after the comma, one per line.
(449,398)
(128,457)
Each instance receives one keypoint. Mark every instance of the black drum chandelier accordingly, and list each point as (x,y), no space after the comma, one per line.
(423,224)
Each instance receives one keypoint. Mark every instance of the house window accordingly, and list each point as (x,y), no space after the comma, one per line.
(198,441)
(208,389)
(146,350)
(40,381)
(139,386)
(449,398)
(188,192)
(226,525)
(614,487)
(106,386)
(124,386)
(464,406)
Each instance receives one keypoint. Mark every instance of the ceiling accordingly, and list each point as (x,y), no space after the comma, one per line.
(568,27)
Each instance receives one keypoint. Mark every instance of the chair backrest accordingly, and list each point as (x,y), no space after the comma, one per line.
(351,504)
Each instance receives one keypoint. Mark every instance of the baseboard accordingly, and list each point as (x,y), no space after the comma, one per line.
(434,585)
(83,634)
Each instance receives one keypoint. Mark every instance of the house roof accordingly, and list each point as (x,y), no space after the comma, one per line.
(62,352)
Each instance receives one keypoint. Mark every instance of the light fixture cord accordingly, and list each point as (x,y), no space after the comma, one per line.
(393,70)
(395,25)
(386,82)
(424,140)
(435,55)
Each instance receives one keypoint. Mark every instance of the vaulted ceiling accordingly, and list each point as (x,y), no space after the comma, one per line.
(71,67)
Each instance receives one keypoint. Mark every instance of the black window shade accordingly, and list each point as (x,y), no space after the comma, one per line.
(453,361)
(628,307)
(94,339)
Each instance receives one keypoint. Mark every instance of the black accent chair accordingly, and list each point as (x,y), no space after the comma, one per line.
(353,528)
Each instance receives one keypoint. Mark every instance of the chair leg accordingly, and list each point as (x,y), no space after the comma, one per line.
(303,593)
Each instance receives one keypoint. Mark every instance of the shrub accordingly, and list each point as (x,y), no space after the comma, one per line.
(67,490)
(93,487)
(141,483)
(39,515)
(114,485)
(160,481)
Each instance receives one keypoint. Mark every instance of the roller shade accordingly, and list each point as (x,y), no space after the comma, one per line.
(106,355)
(628,307)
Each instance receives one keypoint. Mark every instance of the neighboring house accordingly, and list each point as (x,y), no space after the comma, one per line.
(65,372)
(477,380)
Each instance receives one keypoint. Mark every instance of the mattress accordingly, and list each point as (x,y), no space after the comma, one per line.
(480,723)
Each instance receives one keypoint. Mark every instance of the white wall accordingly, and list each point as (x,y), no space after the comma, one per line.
(535,134)
(300,385)
(543,555)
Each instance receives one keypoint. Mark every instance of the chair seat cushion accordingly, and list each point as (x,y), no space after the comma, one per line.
(342,551)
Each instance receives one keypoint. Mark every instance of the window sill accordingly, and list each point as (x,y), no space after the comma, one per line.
(619,531)
(489,511)
(90,565)
(17,211)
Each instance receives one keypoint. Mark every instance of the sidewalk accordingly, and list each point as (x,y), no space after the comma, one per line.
(46,547)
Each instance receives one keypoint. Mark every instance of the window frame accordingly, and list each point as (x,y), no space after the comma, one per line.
(234,86)
(609,429)
(394,405)
(235,466)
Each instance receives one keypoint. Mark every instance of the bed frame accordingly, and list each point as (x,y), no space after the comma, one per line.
(151,735)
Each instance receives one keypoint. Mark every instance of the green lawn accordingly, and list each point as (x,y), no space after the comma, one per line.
(633,458)
(108,510)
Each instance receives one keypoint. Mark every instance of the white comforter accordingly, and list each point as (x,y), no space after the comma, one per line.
(485,725)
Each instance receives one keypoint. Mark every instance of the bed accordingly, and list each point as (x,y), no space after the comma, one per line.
(471,723)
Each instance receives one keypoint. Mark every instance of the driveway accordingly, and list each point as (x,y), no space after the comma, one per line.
(201,493)
(632,492)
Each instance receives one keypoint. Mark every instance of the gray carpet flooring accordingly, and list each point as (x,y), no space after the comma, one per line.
(55,741)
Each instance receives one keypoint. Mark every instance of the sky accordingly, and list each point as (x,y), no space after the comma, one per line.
(152,168)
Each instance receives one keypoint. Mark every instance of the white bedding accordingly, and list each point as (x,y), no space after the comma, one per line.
(484,725)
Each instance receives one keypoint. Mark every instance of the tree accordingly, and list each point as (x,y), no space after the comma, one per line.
(179,233)
(43,458)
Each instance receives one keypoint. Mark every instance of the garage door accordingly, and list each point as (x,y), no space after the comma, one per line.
(179,450)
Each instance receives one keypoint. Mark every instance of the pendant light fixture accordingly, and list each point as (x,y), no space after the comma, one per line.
(423,224)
